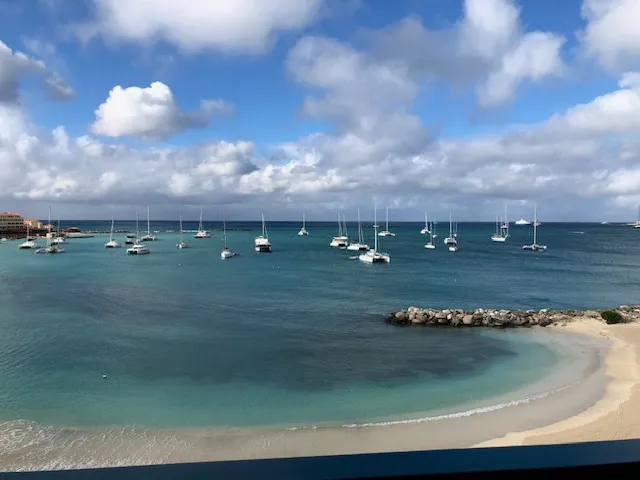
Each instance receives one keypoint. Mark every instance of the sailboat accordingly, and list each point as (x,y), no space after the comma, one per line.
(303,230)
(373,256)
(636,224)
(450,239)
(359,246)
(183,243)
(262,243)
(386,232)
(226,251)
(138,248)
(148,237)
(430,245)
(534,246)
(28,243)
(499,235)
(455,229)
(425,230)
(112,243)
(505,224)
(59,238)
(341,240)
(50,248)
(433,229)
(202,233)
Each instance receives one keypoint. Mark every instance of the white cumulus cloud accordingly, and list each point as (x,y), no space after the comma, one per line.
(238,26)
(150,113)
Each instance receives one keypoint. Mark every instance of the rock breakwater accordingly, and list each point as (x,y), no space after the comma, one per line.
(501,318)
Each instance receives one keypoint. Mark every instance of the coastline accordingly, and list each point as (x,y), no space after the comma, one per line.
(492,424)
(612,417)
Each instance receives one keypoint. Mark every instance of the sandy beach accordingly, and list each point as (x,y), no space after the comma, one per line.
(615,415)
(601,404)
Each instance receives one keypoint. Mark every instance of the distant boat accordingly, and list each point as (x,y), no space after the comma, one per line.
(374,256)
(522,221)
(183,243)
(148,237)
(359,245)
(59,239)
(202,233)
(226,251)
(303,230)
(604,223)
(450,239)
(341,240)
(430,245)
(138,248)
(28,243)
(425,230)
(386,232)
(262,243)
(534,246)
(499,235)
(112,243)
(50,248)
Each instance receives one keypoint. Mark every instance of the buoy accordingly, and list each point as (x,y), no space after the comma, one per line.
(104,376)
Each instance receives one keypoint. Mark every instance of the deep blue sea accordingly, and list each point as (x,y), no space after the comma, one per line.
(294,337)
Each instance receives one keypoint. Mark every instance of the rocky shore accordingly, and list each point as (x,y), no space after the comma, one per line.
(502,318)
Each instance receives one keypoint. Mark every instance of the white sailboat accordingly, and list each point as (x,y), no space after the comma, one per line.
(303,230)
(148,237)
(430,245)
(450,239)
(138,247)
(28,243)
(499,235)
(226,251)
(262,243)
(183,243)
(534,246)
(202,233)
(453,245)
(59,238)
(50,248)
(386,232)
(112,243)
(425,230)
(341,240)
(359,246)
(373,256)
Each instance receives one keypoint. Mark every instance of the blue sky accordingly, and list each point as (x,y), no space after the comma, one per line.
(451,105)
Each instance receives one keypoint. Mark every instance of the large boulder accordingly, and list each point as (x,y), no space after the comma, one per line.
(467,320)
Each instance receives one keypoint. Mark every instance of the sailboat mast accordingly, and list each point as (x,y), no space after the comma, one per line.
(375,229)
(137,227)
(181,232)
(360,239)
(49,229)
(111,233)
(148,222)
(387,219)
(450,226)
(426,220)
(344,221)
(264,229)
(224,232)
(535,224)
(200,224)
(304,223)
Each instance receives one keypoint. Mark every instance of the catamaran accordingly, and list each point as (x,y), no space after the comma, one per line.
(359,246)
(450,239)
(28,243)
(50,248)
(262,243)
(202,233)
(138,248)
(386,232)
(226,251)
(425,230)
(112,243)
(534,246)
(59,238)
(341,240)
(373,256)
(183,243)
(499,235)
(430,245)
(148,237)
(303,230)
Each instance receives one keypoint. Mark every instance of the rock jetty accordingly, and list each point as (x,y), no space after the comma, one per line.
(501,318)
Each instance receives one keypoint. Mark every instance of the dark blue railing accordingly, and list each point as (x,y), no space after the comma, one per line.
(382,465)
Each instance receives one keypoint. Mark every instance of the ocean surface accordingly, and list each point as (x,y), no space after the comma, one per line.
(292,338)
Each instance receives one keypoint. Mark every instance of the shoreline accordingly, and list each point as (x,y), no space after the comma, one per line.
(479,424)
(608,418)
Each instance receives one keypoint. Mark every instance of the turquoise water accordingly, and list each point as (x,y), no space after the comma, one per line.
(294,337)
